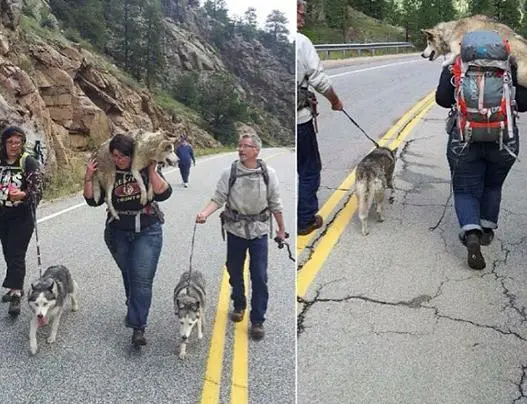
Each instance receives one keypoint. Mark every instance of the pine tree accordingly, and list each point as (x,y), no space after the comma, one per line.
(276,25)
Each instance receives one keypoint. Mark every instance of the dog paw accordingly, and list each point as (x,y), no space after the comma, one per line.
(365,233)
(391,199)
(51,340)
(200,336)
(33,350)
(380,219)
(182,355)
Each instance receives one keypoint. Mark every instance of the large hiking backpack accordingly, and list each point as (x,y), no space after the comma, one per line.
(234,173)
(484,90)
(36,149)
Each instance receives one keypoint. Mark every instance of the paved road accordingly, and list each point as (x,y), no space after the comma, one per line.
(397,316)
(92,360)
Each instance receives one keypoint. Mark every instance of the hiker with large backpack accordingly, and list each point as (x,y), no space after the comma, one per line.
(249,189)
(20,193)
(482,92)
(310,74)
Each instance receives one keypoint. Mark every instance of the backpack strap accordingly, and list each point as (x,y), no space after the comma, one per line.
(23,159)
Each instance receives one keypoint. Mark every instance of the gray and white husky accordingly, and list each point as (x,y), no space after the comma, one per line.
(189,306)
(47,299)
(374,175)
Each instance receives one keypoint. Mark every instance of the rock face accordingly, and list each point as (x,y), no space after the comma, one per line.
(77,99)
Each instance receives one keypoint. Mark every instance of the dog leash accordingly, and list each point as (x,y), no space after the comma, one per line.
(362,130)
(191,254)
(281,244)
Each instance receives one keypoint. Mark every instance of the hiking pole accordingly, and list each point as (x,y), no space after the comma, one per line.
(37,242)
(358,126)
(281,244)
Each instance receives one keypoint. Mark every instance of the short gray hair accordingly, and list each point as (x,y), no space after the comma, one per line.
(300,3)
(255,139)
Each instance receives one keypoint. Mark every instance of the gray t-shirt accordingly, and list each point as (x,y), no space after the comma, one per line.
(249,196)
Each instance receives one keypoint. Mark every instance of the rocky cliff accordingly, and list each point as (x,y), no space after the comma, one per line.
(77,98)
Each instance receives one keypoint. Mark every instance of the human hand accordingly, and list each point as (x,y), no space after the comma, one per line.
(16,194)
(281,234)
(337,106)
(201,217)
(90,170)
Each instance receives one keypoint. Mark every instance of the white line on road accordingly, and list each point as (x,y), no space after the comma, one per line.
(374,68)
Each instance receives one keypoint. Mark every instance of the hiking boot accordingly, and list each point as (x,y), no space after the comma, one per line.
(237,315)
(257,331)
(7,297)
(314,225)
(138,337)
(14,305)
(475,259)
(487,236)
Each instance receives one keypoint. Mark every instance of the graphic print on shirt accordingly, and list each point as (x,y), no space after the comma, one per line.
(126,189)
(11,178)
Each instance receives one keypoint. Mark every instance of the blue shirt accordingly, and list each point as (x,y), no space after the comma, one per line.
(185,154)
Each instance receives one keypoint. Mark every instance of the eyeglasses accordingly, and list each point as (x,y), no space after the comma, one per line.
(246,146)
(15,143)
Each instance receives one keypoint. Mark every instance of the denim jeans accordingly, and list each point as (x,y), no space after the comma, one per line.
(136,255)
(236,250)
(309,166)
(184,170)
(478,172)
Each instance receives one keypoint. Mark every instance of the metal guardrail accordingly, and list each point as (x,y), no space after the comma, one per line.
(361,46)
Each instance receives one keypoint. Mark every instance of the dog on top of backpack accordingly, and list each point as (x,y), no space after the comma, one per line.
(445,39)
(148,146)
(47,298)
(373,176)
(189,306)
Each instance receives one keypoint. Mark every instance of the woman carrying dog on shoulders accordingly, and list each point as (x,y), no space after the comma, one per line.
(20,193)
(135,240)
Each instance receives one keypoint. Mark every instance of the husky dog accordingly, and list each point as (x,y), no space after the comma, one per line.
(374,175)
(189,305)
(445,39)
(148,146)
(47,298)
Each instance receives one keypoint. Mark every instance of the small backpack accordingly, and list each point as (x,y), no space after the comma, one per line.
(36,149)
(484,92)
(234,174)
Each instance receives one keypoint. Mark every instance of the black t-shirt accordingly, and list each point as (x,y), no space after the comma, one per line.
(126,200)
(12,176)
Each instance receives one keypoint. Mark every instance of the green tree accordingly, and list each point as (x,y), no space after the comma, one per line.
(508,13)
(276,25)
(152,51)
(221,106)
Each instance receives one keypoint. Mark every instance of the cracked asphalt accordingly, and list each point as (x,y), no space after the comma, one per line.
(398,317)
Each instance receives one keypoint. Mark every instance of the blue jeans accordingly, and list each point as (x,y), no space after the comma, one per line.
(184,170)
(478,172)
(136,255)
(309,166)
(236,250)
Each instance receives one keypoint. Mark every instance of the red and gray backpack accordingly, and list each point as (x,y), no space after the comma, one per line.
(484,91)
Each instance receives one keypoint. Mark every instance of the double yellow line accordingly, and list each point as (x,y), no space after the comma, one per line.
(240,362)
(396,134)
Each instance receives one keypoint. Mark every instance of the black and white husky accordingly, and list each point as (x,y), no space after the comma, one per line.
(47,299)
(189,306)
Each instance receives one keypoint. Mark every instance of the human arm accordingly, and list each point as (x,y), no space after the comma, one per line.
(218,199)
(162,190)
(521,92)
(275,203)
(192,155)
(445,89)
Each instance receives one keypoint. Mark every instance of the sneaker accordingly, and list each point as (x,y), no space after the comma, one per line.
(185,184)
(257,331)
(138,337)
(237,315)
(487,236)
(7,297)
(316,224)
(475,259)
(14,305)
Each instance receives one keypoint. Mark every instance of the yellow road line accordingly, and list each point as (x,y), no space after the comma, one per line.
(240,361)
(240,369)
(337,196)
(308,272)
(211,386)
